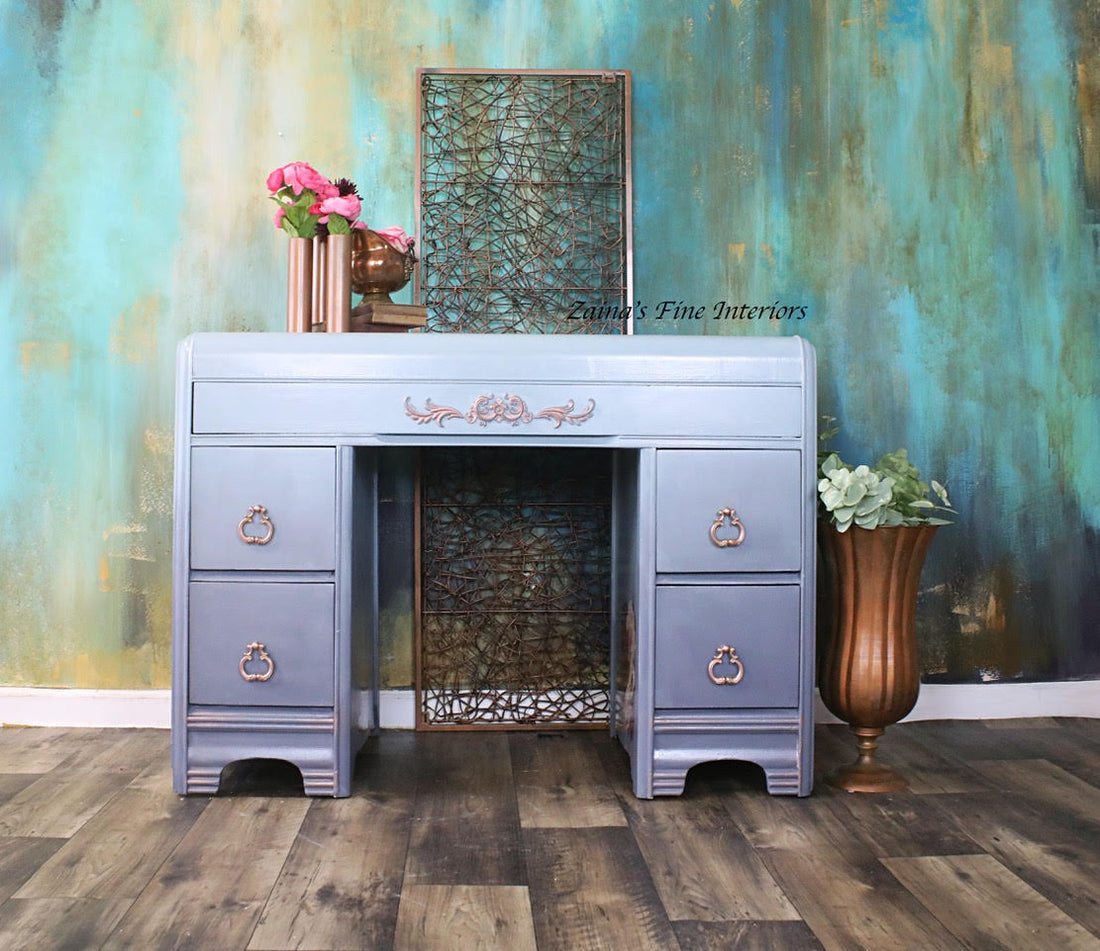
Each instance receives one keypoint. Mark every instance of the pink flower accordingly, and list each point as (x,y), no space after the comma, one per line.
(395,236)
(298,176)
(280,214)
(346,206)
(359,224)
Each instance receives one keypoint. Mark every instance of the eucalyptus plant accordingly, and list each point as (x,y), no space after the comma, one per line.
(890,493)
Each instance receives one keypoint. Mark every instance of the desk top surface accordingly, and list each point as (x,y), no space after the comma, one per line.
(528,357)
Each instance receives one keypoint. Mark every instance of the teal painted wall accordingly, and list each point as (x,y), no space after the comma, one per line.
(920,175)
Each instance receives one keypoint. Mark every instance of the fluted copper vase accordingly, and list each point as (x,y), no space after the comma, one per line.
(869,676)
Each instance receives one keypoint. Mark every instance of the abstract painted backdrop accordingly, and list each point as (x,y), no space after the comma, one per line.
(916,181)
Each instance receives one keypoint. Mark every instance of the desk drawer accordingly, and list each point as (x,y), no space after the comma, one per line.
(761,487)
(285,630)
(296,490)
(476,411)
(754,629)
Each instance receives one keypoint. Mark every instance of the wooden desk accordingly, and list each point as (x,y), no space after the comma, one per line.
(278,442)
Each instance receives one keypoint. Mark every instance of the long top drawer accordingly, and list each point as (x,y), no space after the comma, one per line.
(471,385)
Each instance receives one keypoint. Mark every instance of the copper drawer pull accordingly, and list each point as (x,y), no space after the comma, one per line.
(265,658)
(253,511)
(735,522)
(735,661)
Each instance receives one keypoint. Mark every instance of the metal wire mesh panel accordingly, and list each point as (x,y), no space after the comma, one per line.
(524,201)
(514,608)
(523,219)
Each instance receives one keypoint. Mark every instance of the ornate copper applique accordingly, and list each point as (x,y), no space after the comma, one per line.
(499,409)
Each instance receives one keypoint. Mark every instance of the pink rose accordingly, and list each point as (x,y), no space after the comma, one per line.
(347,206)
(395,236)
(325,191)
(359,224)
(280,214)
(298,176)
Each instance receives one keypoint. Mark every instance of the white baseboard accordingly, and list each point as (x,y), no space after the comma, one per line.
(74,707)
(397,709)
(53,706)
(59,706)
(998,701)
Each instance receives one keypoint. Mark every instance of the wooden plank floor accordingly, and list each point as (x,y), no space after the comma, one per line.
(526,841)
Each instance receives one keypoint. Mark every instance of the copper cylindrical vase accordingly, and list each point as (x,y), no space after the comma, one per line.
(338,283)
(869,674)
(319,282)
(299,286)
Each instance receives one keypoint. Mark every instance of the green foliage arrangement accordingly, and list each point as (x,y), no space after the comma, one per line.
(890,493)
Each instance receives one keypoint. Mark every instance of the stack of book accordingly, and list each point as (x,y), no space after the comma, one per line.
(387,318)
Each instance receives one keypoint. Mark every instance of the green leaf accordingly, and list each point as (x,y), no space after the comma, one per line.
(907,482)
(831,463)
(854,492)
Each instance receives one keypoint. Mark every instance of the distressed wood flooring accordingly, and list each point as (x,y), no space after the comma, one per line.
(525,841)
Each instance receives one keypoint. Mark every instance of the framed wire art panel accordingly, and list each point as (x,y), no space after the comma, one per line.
(514,606)
(524,201)
(523,226)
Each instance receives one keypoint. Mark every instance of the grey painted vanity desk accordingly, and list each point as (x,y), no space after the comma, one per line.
(278,443)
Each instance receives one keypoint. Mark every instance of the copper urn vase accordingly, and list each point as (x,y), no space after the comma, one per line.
(869,675)
(377,267)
